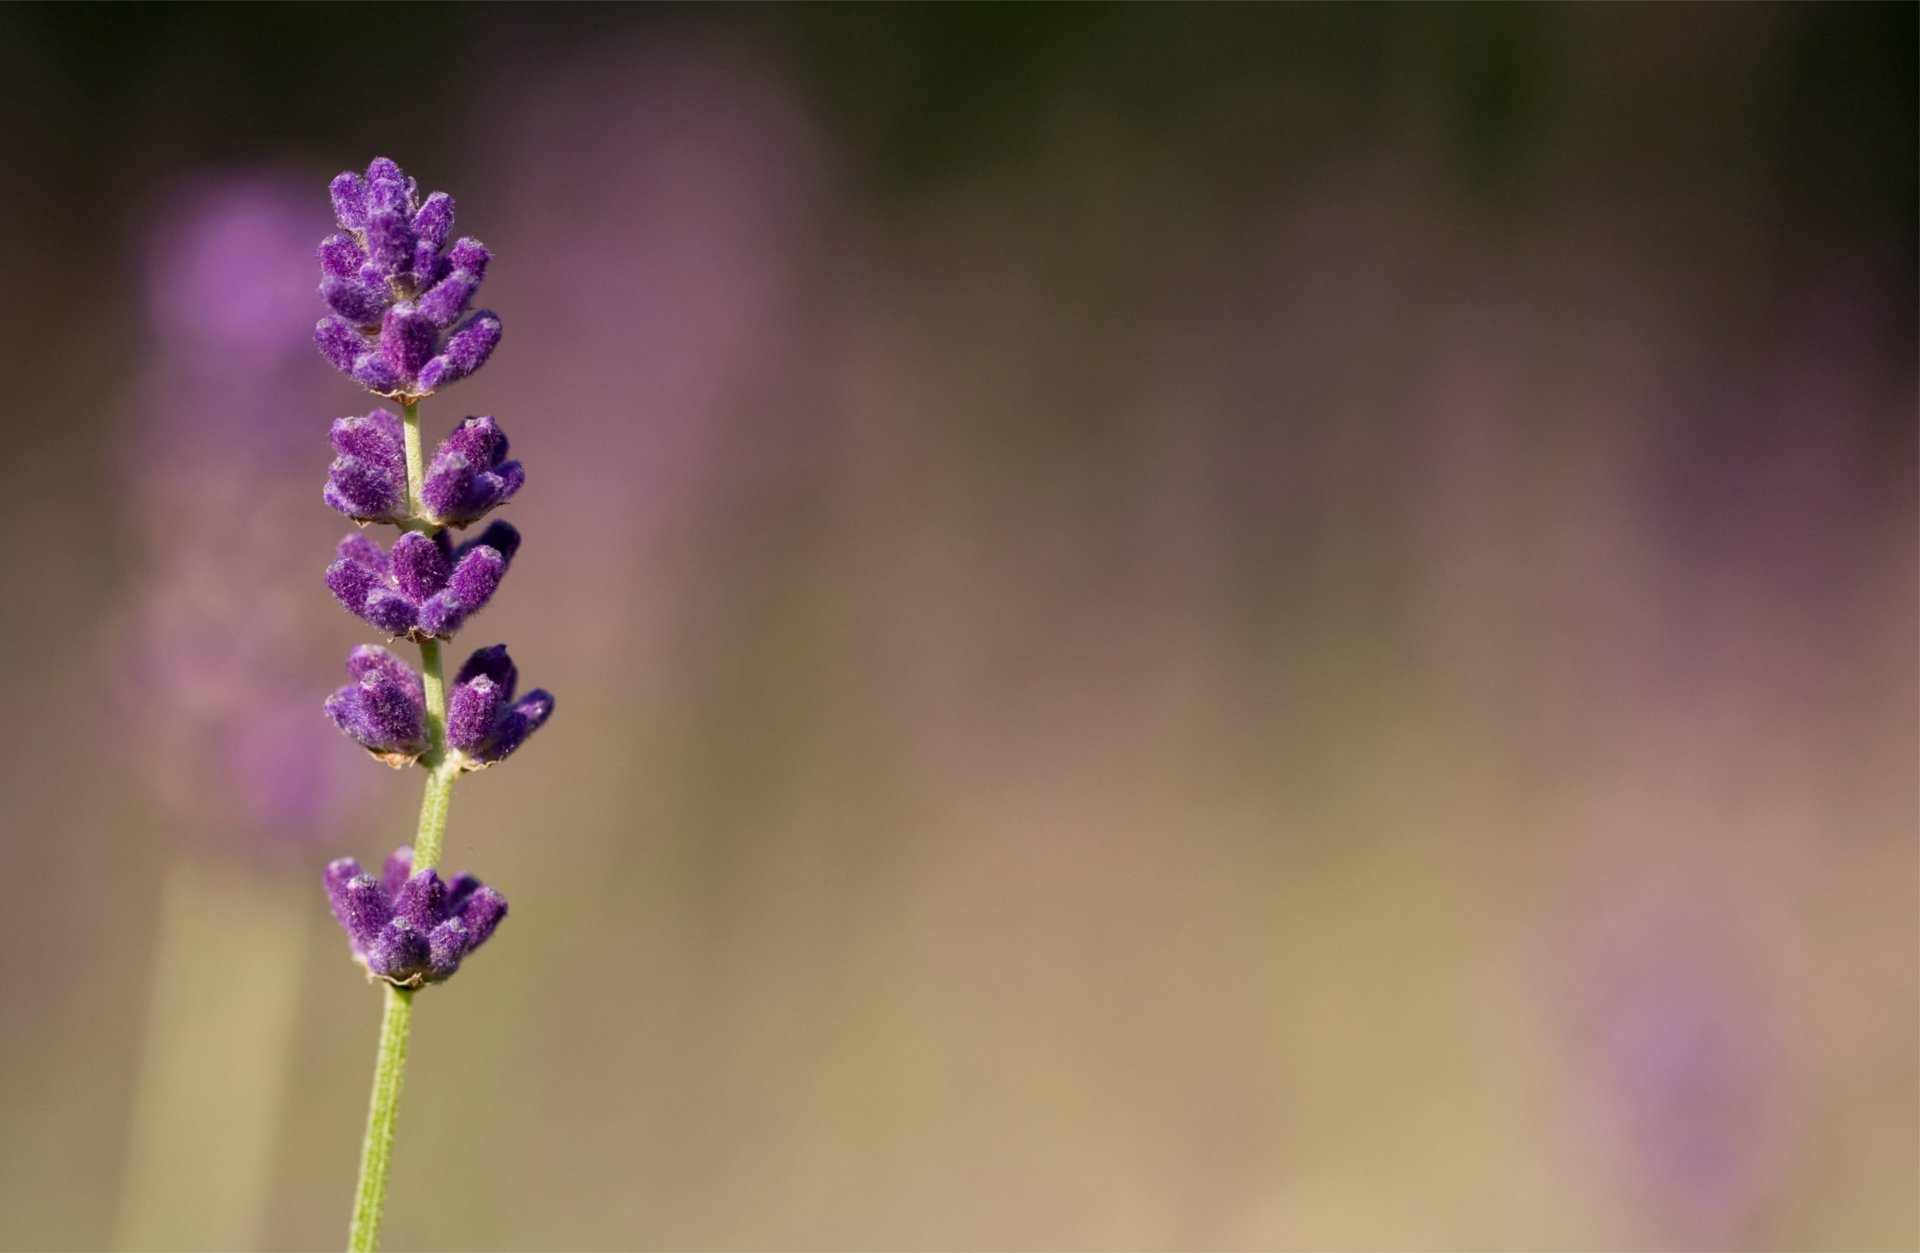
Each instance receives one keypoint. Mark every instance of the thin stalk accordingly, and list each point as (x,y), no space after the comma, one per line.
(376,1152)
(443,767)
(416,465)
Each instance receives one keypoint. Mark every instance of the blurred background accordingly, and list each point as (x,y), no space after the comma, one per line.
(1174,627)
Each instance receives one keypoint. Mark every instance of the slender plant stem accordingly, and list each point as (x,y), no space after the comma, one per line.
(443,767)
(416,465)
(376,1152)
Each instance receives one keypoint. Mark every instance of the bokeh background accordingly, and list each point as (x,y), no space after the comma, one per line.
(1174,627)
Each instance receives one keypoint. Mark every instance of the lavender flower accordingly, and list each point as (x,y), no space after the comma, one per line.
(411,929)
(384,708)
(425,588)
(368,480)
(395,301)
(395,296)
(484,721)
(470,474)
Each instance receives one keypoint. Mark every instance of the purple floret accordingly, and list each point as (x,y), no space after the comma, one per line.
(411,929)
(484,721)
(394,293)
(469,474)
(368,480)
(425,588)
(384,709)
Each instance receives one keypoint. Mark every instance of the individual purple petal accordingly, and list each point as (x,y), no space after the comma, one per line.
(395,717)
(368,659)
(396,869)
(399,953)
(447,490)
(475,579)
(473,707)
(385,170)
(351,583)
(376,437)
(407,340)
(341,869)
(373,372)
(481,913)
(360,548)
(447,300)
(502,537)
(340,257)
(471,255)
(422,900)
(349,201)
(495,664)
(441,615)
(459,888)
(347,713)
(362,909)
(389,611)
(446,945)
(480,440)
(426,267)
(510,476)
(467,350)
(526,716)
(339,342)
(435,219)
(420,566)
(362,491)
(356,900)
(357,302)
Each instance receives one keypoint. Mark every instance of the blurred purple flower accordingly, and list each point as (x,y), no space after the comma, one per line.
(672,304)
(1687,1076)
(224,718)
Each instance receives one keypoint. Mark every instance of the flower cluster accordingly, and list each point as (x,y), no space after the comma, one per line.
(424,588)
(398,296)
(468,476)
(411,929)
(384,709)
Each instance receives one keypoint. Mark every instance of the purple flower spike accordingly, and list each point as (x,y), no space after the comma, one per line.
(469,474)
(384,709)
(425,588)
(484,722)
(411,929)
(368,481)
(393,292)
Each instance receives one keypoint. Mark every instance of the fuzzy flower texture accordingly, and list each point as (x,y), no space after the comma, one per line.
(398,301)
(411,929)
(400,328)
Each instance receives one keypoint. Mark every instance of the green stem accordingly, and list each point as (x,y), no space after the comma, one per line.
(416,465)
(376,1153)
(443,767)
